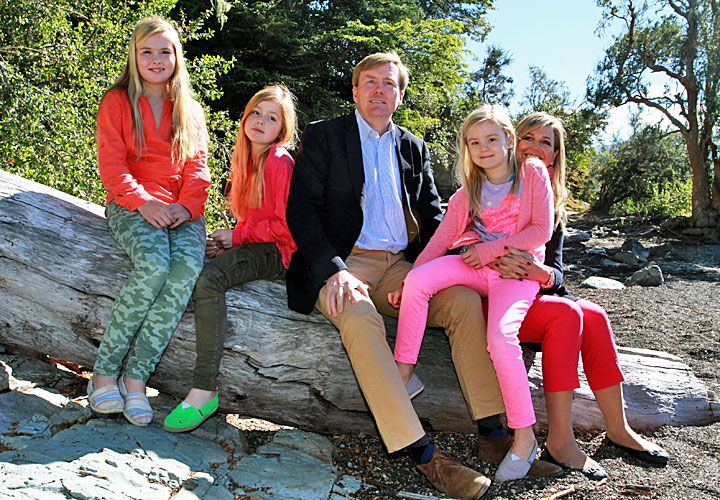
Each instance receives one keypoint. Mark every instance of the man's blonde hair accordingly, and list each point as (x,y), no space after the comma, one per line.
(378,59)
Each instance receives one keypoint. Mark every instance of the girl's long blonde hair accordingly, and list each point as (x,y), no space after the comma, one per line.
(247,171)
(471,176)
(538,120)
(187,129)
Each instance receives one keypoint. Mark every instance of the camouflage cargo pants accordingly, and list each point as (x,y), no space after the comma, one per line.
(166,264)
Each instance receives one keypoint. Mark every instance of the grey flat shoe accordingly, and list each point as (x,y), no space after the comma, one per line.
(414,386)
(513,467)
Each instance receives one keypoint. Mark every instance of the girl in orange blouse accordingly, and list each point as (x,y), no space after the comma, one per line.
(152,155)
(259,247)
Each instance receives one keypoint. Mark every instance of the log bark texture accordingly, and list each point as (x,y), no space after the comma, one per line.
(60,270)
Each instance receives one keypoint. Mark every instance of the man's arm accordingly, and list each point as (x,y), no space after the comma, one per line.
(305,201)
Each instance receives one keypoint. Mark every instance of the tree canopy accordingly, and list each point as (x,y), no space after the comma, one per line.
(58,57)
(674,42)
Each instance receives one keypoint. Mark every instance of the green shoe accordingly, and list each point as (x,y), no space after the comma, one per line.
(186,417)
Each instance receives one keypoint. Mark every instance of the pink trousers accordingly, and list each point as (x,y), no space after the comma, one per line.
(509,301)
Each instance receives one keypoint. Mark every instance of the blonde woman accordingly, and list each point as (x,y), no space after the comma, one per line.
(567,326)
(152,155)
(259,247)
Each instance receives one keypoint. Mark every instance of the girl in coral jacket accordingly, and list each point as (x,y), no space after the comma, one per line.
(259,247)
(152,155)
(500,204)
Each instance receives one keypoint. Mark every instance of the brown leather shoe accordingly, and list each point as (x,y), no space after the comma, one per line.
(453,479)
(493,450)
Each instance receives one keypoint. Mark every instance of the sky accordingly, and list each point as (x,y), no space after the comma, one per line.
(559,36)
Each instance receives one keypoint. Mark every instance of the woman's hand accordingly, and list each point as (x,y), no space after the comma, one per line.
(394,298)
(177,213)
(517,264)
(156,214)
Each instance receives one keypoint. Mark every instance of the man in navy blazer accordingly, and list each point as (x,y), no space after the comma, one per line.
(362,205)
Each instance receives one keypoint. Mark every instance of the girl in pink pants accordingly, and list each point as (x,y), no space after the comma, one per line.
(500,204)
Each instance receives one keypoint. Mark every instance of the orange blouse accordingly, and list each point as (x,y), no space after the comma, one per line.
(131,181)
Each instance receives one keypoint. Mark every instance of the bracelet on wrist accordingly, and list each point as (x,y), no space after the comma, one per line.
(549,282)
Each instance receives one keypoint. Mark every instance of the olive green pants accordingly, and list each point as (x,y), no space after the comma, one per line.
(235,266)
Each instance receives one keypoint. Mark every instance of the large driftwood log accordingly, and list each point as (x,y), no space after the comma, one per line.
(60,271)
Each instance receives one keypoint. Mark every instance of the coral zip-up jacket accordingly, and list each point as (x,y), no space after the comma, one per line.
(267,224)
(131,181)
(534,225)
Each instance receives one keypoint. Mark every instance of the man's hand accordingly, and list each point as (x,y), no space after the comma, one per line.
(156,214)
(340,287)
(177,213)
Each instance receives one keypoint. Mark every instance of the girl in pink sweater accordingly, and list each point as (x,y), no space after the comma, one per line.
(500,204)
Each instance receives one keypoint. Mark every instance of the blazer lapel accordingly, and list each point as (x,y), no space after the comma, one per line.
(354,155)
(403,154)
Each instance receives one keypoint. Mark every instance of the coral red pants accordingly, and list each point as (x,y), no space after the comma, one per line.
(566,329)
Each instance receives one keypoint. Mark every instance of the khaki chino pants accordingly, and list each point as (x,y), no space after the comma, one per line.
(362,330)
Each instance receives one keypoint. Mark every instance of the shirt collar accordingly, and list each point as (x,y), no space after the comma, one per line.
(366,130)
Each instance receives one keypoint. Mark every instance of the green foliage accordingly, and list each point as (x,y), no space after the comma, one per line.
(489,83)
(675,43)
(582,123)
(667,200)
(57,59)
(648,174)
(312,48)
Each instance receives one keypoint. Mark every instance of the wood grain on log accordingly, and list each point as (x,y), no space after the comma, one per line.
(60,271)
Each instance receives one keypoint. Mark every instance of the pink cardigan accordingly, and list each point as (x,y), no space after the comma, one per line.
(535,220)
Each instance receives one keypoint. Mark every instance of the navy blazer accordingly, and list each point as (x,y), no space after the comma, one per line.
(324,211)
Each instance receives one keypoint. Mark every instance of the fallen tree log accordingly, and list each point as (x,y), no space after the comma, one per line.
(60,271)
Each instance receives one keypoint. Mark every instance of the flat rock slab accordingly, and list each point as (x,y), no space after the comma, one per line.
(602,283)
(283,468)
(104,459)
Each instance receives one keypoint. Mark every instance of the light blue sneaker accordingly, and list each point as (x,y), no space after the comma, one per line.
(513,467)
(414,386)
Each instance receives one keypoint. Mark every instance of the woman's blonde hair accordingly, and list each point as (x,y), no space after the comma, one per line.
(187,129)
(247,171)
(538,120)
(469,175)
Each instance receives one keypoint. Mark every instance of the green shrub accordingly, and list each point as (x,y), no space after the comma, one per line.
(671,199)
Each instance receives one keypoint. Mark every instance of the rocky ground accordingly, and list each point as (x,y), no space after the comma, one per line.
(51,446)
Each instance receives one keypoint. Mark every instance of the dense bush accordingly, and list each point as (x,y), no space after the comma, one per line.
(647,174)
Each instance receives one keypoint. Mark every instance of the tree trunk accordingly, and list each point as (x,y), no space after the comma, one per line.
(702,208)
(60,271)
